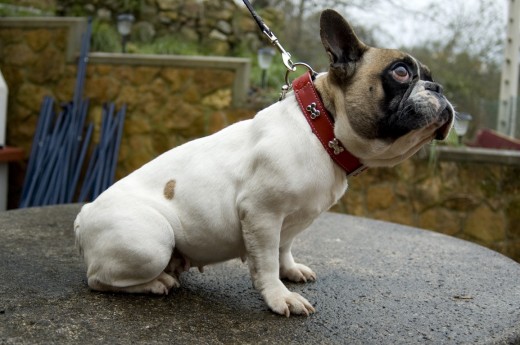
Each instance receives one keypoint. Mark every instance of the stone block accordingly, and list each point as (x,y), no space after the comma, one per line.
(402,213)
(10,36)
(461,202)
(31,96)
(173,77)
(191,9)
(380,197)
(22,132)
(441,220)
(122,73)
(172,5)
(427,192)
(513,250)
(406,170)
(143,75)
(485,225)
(38,39)
(137,125)
(220,99)
(191,94)
(18,55)
(513,216)
(13,77)
(183,117)
(209,81)
(216,121)
(65,88)
(224,26)
(189,34)
(102,89)
(510,180)
(49,66)
(103,69)
(128,95)
(448,172)
(217,35)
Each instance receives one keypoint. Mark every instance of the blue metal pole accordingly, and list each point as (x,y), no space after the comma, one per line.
(37,149)
(82,145)
(115,155)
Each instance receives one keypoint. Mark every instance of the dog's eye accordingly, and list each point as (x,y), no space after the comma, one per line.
(400,73)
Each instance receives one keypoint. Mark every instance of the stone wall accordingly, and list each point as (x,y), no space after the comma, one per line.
(223,27)
(169,99)
(174,100)
(470,200)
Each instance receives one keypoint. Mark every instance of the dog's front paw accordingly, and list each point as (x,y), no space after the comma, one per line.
(287,303)
(298,273)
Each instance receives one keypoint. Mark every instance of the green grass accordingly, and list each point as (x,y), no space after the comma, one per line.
(168,45)
(105,37)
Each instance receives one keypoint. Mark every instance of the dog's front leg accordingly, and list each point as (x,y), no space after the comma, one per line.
(262,240)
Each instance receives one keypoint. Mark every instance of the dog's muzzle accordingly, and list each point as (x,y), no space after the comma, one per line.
(430,104)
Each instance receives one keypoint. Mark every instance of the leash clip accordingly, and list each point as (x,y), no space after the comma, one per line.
(286,57)
(288,84)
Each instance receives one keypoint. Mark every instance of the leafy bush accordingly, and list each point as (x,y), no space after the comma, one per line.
(105,37)
(169,45)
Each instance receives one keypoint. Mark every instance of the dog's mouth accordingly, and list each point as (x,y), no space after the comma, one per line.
(446,117)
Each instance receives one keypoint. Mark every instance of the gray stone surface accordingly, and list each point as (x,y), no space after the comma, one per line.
(378,283)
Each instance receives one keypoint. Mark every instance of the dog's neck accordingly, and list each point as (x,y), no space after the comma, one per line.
(322,125)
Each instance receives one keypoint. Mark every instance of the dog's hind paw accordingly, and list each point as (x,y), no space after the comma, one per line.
(159,286)
(169,281)
(298,273)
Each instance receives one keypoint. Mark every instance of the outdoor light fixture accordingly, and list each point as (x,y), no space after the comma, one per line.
(461,125)
(265,57)
(124,26)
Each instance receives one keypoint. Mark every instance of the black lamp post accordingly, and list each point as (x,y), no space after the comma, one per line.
(461,125)
(124,26)
(265,57)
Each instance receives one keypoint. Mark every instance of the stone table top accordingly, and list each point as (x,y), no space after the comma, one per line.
(378,283)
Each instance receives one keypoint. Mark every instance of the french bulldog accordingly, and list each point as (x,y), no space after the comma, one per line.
(248,190)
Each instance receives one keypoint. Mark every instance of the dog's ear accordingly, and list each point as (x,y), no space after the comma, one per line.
(340,41)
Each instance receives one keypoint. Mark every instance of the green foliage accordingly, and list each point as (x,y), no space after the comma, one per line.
(170,45)
(470,83)
(105,37)
(9,8)
(84,8)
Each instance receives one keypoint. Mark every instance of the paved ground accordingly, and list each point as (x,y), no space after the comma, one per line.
(378,283)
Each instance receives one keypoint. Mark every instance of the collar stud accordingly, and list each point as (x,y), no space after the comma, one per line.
(323,126)
(313,111)
(336,146)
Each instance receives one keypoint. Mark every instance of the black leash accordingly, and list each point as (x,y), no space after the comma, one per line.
(286,56)
(272,38)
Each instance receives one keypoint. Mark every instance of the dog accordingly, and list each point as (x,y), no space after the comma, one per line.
(248,190)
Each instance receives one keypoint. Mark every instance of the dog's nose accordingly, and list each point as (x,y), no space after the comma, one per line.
(432,86)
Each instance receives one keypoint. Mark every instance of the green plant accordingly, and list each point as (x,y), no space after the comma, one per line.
(169,45)
(105,37)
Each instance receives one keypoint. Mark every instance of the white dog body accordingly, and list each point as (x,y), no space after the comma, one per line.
(264,179)
(249,189)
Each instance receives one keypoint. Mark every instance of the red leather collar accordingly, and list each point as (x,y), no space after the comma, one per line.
(322,125)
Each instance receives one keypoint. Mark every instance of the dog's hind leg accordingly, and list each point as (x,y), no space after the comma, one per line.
(159,286)
(130,254)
